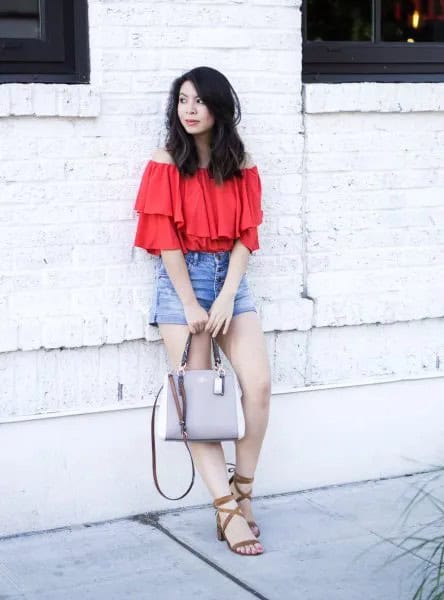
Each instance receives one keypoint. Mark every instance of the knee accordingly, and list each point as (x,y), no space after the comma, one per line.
(259,392)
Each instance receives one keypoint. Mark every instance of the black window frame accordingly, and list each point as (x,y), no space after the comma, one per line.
(337,62)
(62,53)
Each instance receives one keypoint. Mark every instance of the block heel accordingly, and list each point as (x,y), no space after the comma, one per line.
(221,527)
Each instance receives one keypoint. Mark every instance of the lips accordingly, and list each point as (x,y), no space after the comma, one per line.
(191,122)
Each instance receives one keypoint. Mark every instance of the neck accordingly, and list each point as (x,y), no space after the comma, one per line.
(202,142)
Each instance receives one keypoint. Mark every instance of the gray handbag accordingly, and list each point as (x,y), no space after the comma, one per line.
(197,405)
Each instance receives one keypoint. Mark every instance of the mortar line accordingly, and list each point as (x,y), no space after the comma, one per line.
(304,241)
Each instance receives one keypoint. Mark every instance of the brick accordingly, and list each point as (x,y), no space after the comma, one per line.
(93,330)
(30,333)
(403,349)
(8,406)
(290,372)
(68,102)
(129,372)
(39,303)
(20,99)
(388,306)
(44,101)
(114,327)
(287,315)
(389,279)
(5,106)
(89,102)
(48,394)
(134,325)
(8,335)
(63,331)
(108,376)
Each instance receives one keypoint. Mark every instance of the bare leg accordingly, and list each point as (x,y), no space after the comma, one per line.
(208,457)
(253,371)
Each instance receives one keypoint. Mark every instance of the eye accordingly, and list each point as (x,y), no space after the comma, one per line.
(183,98)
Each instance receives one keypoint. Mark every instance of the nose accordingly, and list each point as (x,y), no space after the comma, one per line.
(191,108)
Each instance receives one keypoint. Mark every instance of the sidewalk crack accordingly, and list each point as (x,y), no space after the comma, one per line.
(154,521)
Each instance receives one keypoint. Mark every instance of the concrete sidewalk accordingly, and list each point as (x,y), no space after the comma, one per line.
(324,544)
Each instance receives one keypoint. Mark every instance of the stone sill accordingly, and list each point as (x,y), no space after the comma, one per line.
(373,97)
(48,100)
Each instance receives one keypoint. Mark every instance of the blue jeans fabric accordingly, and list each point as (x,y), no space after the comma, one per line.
(207,271)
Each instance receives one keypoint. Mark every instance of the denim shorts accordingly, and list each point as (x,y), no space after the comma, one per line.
(207,271)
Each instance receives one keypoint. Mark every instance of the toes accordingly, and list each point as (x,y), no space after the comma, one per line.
(256,549)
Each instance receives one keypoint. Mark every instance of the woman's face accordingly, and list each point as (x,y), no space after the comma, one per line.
(193,113)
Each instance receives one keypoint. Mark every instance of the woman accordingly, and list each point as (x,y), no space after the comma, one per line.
(199,206)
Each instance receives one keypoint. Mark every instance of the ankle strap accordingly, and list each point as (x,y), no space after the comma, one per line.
(242,479)
(222,500)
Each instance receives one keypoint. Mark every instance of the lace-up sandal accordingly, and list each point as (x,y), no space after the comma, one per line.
(239,495)
(221,527)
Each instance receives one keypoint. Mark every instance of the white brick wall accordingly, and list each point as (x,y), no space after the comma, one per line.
(353,232)
(375,224)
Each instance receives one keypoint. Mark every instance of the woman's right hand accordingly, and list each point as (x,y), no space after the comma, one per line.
(196,317)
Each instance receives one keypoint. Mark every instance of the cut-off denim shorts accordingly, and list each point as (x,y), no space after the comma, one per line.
(207,271)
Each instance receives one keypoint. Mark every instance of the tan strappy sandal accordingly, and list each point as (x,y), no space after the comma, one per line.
(232,512)
(234,480)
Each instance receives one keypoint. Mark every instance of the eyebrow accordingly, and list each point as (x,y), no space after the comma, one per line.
(182,94)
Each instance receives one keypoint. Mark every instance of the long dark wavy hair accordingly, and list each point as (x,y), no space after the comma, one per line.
(226,146)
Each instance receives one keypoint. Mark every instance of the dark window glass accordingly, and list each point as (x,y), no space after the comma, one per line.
(19,18)
(413,21)
(339,20)
(44,40)
(373,40)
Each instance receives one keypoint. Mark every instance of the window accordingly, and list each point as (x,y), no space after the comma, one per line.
(373,40)
(44,41)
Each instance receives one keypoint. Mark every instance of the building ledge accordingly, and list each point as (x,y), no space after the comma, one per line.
(373,97)
(48,100)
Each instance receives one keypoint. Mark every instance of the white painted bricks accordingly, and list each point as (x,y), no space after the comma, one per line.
(353,230)
(43,100)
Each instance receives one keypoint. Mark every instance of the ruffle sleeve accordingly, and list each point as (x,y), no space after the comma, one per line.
(160,210)
(251,214)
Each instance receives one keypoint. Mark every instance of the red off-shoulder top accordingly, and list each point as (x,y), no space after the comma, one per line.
(194,213)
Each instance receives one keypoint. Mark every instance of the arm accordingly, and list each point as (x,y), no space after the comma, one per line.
(221,311)
(196,316)
(176,268)
(238,264)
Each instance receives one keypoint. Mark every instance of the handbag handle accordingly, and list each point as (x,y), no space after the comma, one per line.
(182,419)
(216,353)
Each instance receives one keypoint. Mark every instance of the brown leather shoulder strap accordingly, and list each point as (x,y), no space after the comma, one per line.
(184,437)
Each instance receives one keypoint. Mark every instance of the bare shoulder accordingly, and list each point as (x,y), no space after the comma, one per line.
(248,161)
(162,156)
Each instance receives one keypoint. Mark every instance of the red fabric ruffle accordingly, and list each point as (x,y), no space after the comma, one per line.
(195,213)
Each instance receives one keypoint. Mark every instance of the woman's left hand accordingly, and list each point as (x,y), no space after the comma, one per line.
(221,312)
